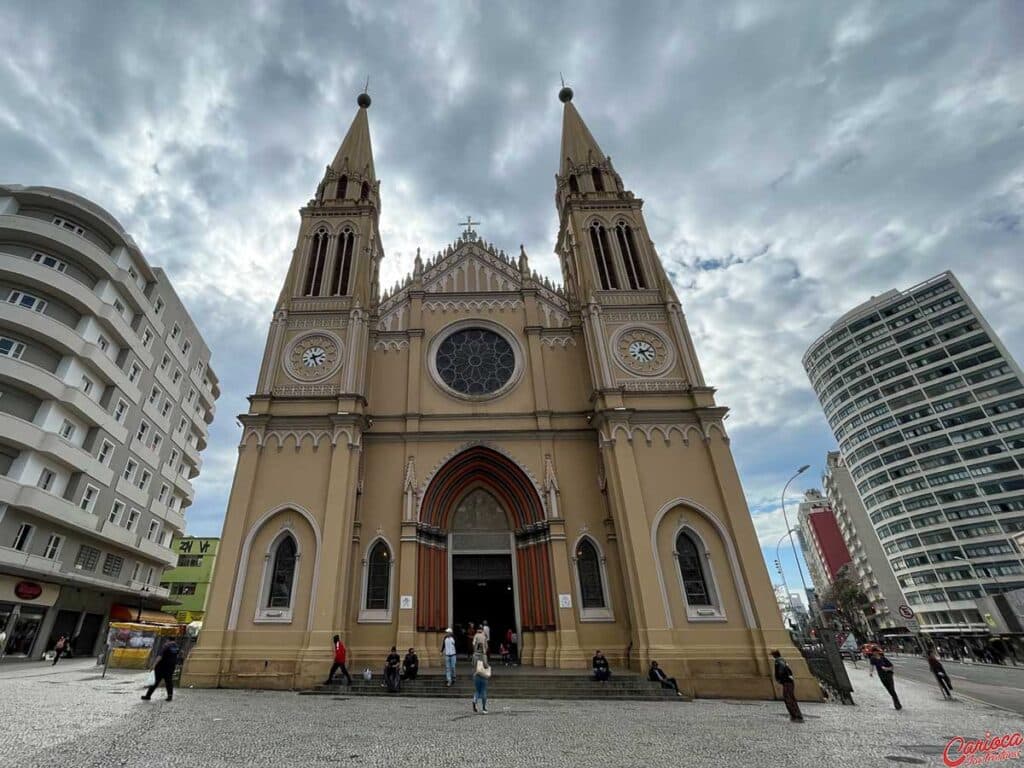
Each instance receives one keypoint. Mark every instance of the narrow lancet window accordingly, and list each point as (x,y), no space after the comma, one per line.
(315,267)
(603,256)
(343,263)
(598,178)
(630,256)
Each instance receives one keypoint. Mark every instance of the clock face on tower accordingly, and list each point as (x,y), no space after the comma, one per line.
(313,357)
(642,351)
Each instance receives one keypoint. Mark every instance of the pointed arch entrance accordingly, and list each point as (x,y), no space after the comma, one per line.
(455,517)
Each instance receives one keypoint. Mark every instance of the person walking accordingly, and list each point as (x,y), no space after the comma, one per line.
(487,635)
(885,674)
(340,658)
(449,654)
(940,674)
(163,670)
(481,669)
(59,648)
(784,677)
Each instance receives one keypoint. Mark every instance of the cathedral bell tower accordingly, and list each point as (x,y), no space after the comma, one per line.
(608,261)
(331,283)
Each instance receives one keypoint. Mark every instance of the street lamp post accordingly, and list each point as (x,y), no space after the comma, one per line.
(789,530)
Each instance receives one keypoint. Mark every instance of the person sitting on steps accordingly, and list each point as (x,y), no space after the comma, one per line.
(599,664)
(657,675)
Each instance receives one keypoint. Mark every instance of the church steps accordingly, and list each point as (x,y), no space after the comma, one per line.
(514,686)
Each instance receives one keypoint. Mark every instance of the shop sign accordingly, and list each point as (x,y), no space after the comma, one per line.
(27,590)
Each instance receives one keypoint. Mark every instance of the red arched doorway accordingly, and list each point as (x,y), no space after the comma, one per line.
(483,468)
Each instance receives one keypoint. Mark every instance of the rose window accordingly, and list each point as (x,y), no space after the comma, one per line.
(475,361)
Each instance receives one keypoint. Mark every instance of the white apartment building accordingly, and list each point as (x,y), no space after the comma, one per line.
(870,565)
(106,396)
(928,409)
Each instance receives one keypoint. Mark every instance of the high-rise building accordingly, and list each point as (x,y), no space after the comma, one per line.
(477,443)
(870,566)
(928,408)
(808,546)
(106,395)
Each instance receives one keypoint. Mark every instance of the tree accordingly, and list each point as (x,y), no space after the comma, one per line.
(849,600)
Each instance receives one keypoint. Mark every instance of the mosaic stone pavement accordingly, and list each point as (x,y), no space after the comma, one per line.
(69,716)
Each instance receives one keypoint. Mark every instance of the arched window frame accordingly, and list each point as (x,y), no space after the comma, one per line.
(364,191)
(597,179)
(377,615)
(629,252)
(697,613)
(604,256)
(264,613)
(592,614)
(344,257)
(574,185)
(316,261)
(342,188)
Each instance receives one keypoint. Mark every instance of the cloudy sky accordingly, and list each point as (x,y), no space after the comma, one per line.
(794,159)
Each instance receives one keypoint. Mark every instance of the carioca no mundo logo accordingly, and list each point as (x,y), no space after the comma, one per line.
(962,752)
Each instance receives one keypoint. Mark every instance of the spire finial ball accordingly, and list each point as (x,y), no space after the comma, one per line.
(363,100)
(565,95)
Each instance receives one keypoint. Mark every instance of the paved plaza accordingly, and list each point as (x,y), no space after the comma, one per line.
(68,716)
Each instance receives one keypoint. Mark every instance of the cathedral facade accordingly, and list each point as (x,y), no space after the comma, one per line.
(477,443)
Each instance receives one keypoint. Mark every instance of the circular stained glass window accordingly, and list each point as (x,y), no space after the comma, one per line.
(475,361)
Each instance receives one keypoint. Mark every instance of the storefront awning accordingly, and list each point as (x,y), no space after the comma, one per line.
(119,612)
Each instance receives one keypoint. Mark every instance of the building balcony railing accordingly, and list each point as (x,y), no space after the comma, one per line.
(14,558)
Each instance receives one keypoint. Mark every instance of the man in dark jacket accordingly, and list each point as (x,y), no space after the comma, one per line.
(392,671)
(340,657)
(164,670)
(600,666)
(410,665)
(784,677)
(657,675)
(885,674)
(940,674)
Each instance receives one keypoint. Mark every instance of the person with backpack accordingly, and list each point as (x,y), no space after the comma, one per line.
(449,654)
(163,670)
(784,677)
(340,657)
(940,674)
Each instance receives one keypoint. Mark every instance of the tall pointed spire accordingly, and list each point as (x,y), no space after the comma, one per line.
(578,144)
(356,153)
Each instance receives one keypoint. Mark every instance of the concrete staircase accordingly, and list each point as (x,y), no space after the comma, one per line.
(510,683)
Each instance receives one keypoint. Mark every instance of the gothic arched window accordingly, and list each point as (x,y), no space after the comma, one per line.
(595,174)
(343,263)
(342,187)
(364,192)
(630,256)
(574,186)
(588,565)
(603,255)
(378,578)
(691,568)
(282,574)
(315,267)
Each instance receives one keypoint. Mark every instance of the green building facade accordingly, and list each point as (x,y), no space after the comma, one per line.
(189,581)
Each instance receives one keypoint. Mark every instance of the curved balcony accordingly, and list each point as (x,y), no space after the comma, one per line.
(45,386)
(63,513)
(26,435)
(67,341)
(76,295)
(157,551)
(34,231)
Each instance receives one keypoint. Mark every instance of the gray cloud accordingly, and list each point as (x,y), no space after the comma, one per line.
(794,159)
